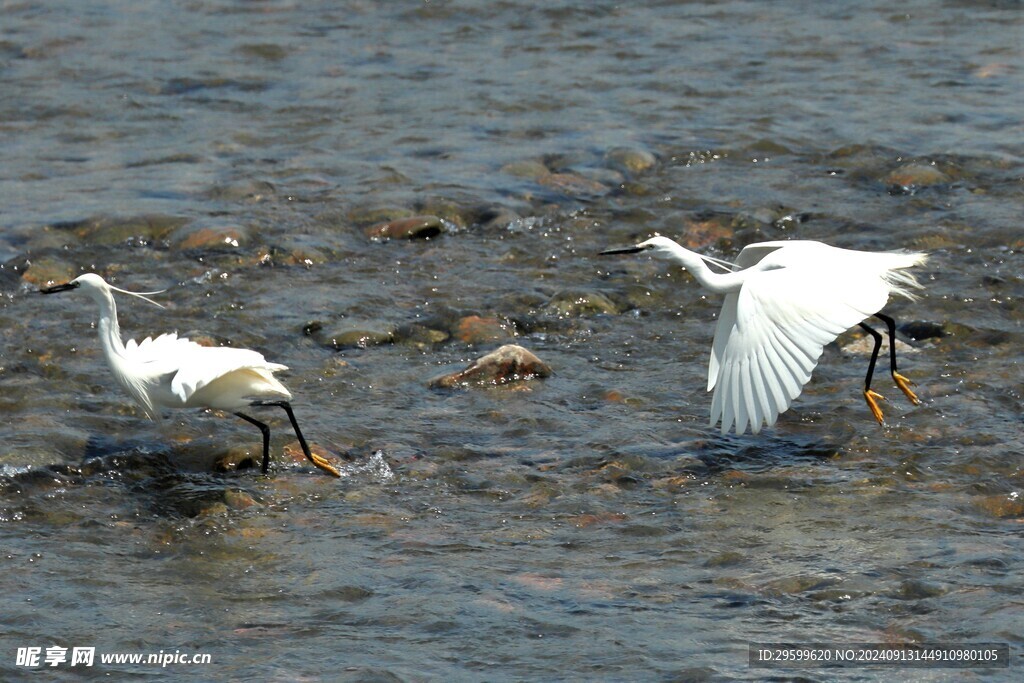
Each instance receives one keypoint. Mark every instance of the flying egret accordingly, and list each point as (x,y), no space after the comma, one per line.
(784,301)
(173,372)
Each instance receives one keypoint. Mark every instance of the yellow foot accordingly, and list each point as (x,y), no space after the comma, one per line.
(904,384)
(324,465)
(873,397)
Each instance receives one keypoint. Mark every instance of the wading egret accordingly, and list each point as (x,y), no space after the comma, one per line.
(784,301)
(173,372)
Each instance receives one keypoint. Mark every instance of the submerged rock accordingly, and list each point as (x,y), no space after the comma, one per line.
(476,330)
(46,271)
(526,169)
(106,230)
(422,336)
(207,236)
(573,185)
(510,363)
(416,227)
(1002,506)
(630,160)
(919,330)
(571,304)
(911,177)
(242,190)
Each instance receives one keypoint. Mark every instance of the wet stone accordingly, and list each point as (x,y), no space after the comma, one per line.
(371,215)
(238,500)
(420,335)
(245,190)
(118,230)
(510,363)
(497,217)
(573,185)
(474,329)
(630,160)
(1002,506)
(445,209)
(729,558)
(532,170)
(415,227)
(47,271)
(354,338)
(571,304)
(919,330)
(798,584)
(291,254)
(268,51)
(237,458)
(910,177)
(914,589)
(208,237)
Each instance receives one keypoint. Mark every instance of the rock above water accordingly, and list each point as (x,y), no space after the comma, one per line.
(358,339)
(510,363)
(347,336)
(416,227)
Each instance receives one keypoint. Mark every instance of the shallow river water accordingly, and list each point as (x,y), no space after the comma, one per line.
(586,525)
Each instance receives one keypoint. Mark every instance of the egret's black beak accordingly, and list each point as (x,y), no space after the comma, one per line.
(623,250)
(59,288)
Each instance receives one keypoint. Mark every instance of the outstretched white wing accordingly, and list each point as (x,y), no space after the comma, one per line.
(170,370)
(771,333)
(206,364)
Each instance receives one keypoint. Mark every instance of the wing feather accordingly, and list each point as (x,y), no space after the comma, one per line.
(206,364)
(772,332)
(183,367)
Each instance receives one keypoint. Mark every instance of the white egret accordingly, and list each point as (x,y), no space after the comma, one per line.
(173,372)
(784,301)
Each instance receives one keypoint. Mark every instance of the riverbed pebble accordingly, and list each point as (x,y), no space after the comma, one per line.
(509,363)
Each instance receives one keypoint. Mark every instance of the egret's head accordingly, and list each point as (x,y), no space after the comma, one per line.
(657,246)
(98,288)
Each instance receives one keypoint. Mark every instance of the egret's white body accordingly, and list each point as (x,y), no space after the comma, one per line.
(173,372)
(784,301)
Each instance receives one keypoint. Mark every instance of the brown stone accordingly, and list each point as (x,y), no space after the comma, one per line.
(476,330)
(510,363)
(416,227)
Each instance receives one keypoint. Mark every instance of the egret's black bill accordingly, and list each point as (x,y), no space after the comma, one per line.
(58,288)
(622,250)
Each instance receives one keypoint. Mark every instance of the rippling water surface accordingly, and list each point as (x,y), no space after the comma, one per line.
(586,525)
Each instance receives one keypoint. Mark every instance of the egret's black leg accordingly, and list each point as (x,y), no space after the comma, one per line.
(313,458)
(266,439)
(873,397)
(902,382)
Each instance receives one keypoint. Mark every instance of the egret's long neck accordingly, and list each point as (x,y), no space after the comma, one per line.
(719,283)
(110,331)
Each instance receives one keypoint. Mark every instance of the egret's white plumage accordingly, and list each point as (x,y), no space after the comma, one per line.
(169,371)
(784,301)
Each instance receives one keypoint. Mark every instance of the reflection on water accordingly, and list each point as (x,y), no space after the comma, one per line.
(262,162)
